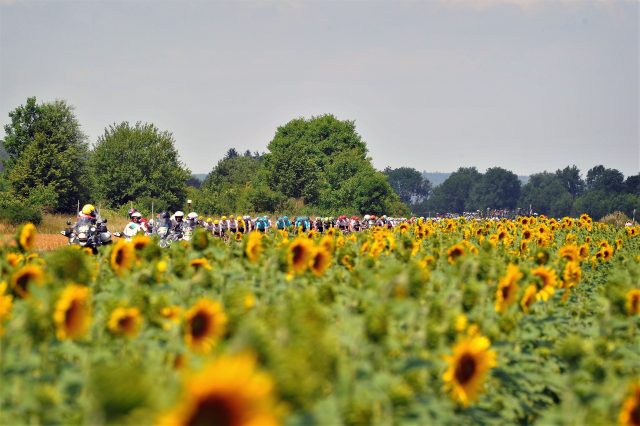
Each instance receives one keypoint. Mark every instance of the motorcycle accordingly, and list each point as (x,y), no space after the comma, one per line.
(87,234)
(166,234)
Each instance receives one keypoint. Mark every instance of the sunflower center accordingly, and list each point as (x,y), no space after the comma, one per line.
(126,323)
(119,257)
(214,411)
(635,415)
(505,291)
(200,325)
(73,316)
(465,369)
(298,254)
(23,282)
(635,305)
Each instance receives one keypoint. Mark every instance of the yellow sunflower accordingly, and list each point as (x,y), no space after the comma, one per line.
(548,279)
(27,236)
(140,242)
(254,246)
(403,227)
(171,314)
(14,259)
(571,274)
(570,252)
(6,305)
(24,277)
(320,261)
(299,255)
(200,263)
(507,291)
(633,302)
(454,252)
(630,412)
(122,257)
(238,236)
(583,251)
(529,298)
(205,323)
(347,262)
(125,322)
(468,367)
(227,391)
(328,243)
(72,315)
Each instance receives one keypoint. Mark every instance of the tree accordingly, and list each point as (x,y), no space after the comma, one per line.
(546,193)
(453,193)
(409,184)
(632,184)
(47,154)
(319,160)
(571,180)
(129,163)
(602,179)
(232,170)
(597,203)
(498,189)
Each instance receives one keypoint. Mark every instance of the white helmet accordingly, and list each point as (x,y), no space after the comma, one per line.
(367,217)
(136,214)
(179,214)
(192,216)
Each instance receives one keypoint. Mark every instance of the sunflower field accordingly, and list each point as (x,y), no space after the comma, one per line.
(530,321)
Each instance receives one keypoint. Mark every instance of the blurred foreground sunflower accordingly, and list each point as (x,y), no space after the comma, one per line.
(320,261)
(507,291)
(228,391)
(122,257)
(125,322)
(205,323)
(6,304)
(72,315)
(24,277)
(633,302)
(630,413)
(468,367)
(27,236)
(299,255)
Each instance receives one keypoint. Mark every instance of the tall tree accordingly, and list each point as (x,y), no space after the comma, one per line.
(316,159)
(571,180)
(409,184)
(129,163)
(498,189)
(600,178)
(47,153)
(546,193)
(453,193)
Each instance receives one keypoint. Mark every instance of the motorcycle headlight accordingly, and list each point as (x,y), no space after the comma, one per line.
(83,229)
(82,236)
(93,229)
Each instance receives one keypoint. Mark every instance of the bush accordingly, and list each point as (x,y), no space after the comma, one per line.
(16,213)
(616,219)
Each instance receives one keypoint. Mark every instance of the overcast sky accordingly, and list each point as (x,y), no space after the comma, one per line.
(528,85)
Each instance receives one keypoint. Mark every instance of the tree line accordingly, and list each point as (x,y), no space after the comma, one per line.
(317,165)
(556,194)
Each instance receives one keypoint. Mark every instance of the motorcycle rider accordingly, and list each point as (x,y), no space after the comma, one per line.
(177,223)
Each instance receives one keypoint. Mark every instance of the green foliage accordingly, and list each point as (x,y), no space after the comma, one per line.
(600,178)
(409,184)
(46,149)
(323,161)
(597,203)
(546,194)
(453,193)
(15,211)
(497,189)
(133,162)
(571,180)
